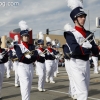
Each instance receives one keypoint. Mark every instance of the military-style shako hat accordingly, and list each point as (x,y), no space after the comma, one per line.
(24,28)
(48,41)
(77,8)
(41,39)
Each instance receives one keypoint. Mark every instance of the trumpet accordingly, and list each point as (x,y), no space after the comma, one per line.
(15,59)
(43,53)
(9,42)
(29,52)
(88,38)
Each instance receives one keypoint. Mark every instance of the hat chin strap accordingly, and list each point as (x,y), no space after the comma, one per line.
(79,23)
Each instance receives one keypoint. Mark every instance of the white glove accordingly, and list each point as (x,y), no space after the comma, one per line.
(28,56)
(42,55)
(51,53)
(57,56)
(1,56)
(14,53)
(87,45)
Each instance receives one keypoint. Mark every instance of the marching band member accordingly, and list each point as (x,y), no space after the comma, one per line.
(8,63)
(78,40)
(49,62)
(26,58)
(14,58)
(58,46)
(3,59)
(40,64)
(7,66)
(57,56)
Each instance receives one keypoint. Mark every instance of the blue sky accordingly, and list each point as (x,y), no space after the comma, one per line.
(43,14)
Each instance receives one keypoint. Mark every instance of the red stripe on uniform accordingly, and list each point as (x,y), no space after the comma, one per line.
(82,50)
(22,58)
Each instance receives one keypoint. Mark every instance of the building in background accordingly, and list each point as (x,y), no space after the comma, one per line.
(3,39)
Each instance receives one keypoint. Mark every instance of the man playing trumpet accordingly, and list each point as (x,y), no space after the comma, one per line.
(79,61)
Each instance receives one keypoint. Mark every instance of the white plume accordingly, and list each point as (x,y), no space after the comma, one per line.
(16,38)
(23,25)
(74,3)
(68,27)
(53,42)
(41,36)
(48,39)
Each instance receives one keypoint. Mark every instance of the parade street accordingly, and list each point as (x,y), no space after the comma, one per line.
(57,91)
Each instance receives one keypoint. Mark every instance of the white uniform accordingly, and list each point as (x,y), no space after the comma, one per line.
(79,62)
(56,68)
(50,67)
(7,68)
(25,70)
(72,90)
(95,61)
(25,73)
(66,51)
(41,70)
(15,64)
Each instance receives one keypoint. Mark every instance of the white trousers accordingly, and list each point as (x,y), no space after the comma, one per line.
(36,68)
(25,73)
(95,61)
(50,69)
(41,71)
(15,65)
(56,67)
(7,68)
(80,71)
(72,90)
(2,71)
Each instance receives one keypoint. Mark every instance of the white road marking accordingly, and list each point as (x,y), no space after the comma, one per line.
(55,91)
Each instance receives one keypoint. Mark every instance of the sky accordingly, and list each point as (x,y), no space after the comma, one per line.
(44,14)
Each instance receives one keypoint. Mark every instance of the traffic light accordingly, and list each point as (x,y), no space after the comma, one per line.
(47,31)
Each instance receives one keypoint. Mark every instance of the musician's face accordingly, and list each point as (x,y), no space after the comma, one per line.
(81,19)
(41,46)
(49,46)
(25,38)
(54,48)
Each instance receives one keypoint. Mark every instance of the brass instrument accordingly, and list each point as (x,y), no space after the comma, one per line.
(29,52)
(9,41)
(15,59)
(88,38)
(43,53)
(92,34)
